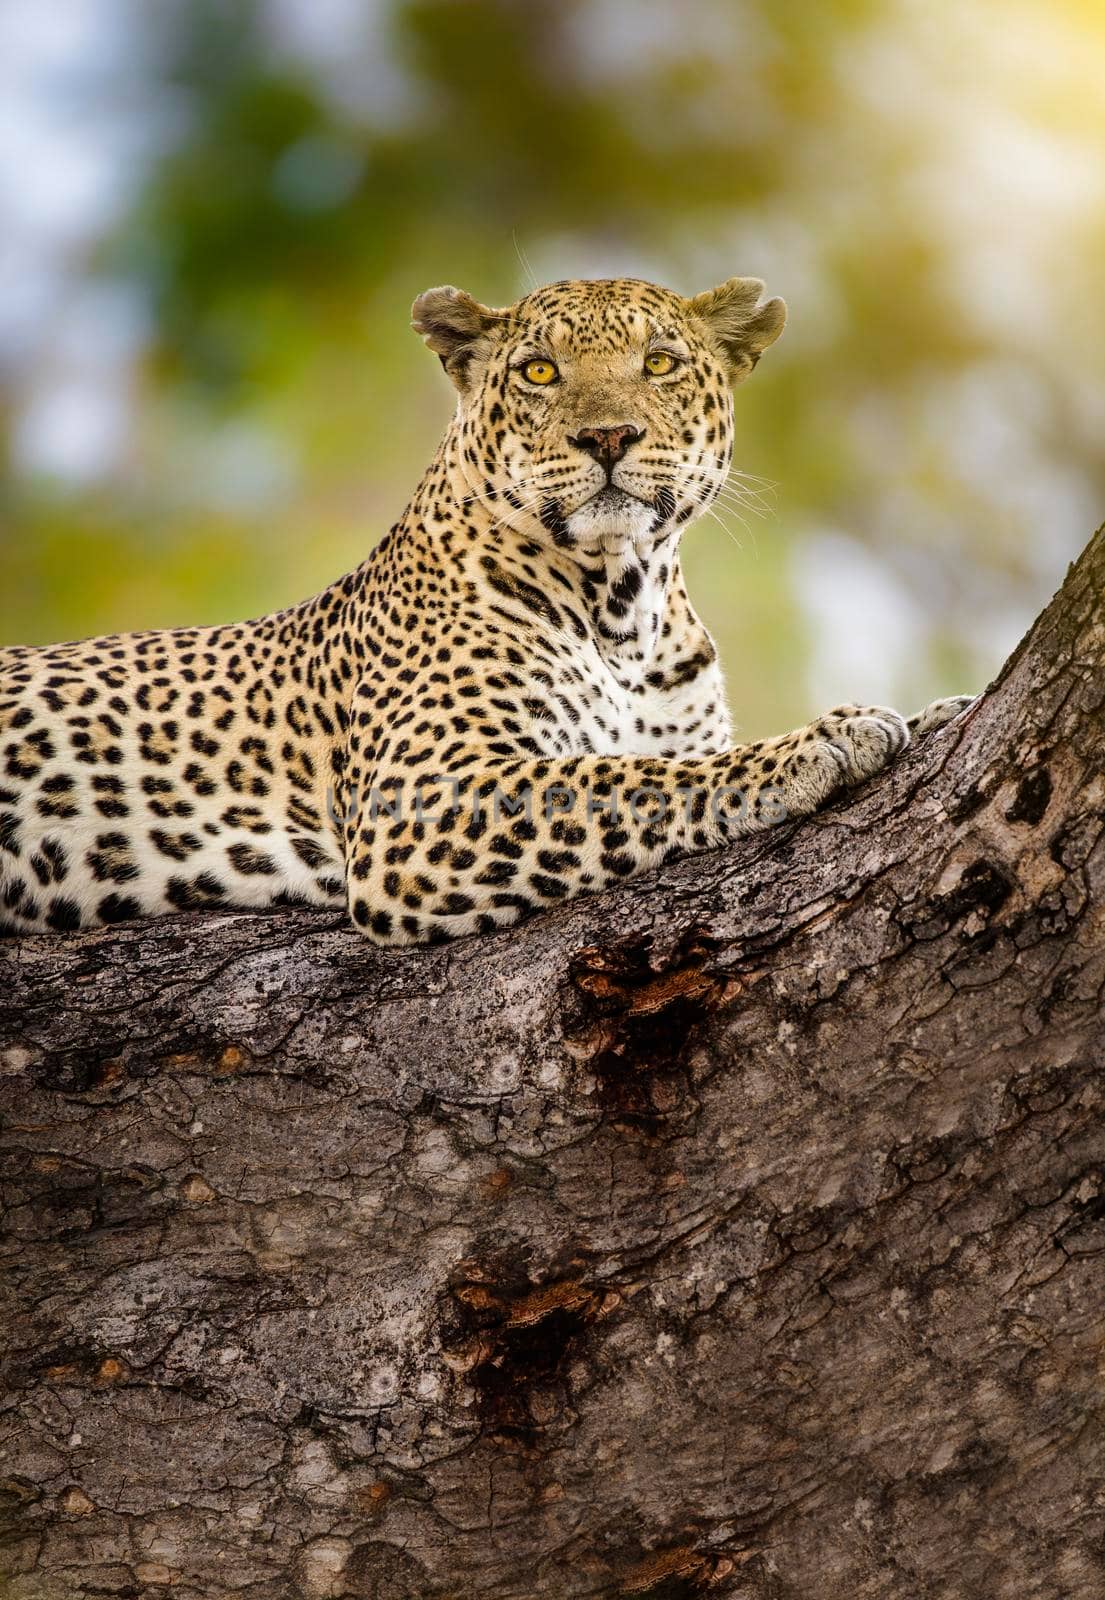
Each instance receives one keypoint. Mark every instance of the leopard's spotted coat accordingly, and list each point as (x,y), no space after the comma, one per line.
(522,638)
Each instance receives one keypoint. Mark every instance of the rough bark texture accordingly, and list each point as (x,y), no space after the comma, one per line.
(738,1233)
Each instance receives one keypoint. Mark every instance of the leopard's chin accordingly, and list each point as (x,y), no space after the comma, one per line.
(610,519)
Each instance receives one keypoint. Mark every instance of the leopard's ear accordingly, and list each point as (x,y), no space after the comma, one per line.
(739,322)
(456,328)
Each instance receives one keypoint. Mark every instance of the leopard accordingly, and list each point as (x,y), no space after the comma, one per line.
(510,702)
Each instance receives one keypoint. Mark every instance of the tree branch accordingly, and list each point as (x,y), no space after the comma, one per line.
(739,1232)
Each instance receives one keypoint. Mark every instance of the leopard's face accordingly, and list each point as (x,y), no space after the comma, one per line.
(599,413)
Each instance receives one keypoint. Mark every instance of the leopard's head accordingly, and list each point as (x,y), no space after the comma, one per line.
(597,413)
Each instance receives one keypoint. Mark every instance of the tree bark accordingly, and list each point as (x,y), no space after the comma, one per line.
(738,1233)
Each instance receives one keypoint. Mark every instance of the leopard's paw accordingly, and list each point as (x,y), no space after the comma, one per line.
(938,712)
(842,748)
(867,737)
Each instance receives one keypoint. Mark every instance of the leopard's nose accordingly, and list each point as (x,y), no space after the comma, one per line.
(607,445)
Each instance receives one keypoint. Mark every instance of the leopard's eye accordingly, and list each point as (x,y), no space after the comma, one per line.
(539,372)
(659,363)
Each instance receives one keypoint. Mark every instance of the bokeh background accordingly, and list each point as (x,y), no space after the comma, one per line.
(214,216)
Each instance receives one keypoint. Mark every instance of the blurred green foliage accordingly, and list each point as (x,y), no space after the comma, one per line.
(282,410)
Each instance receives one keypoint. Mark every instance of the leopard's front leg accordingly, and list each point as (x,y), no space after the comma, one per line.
(434,855)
